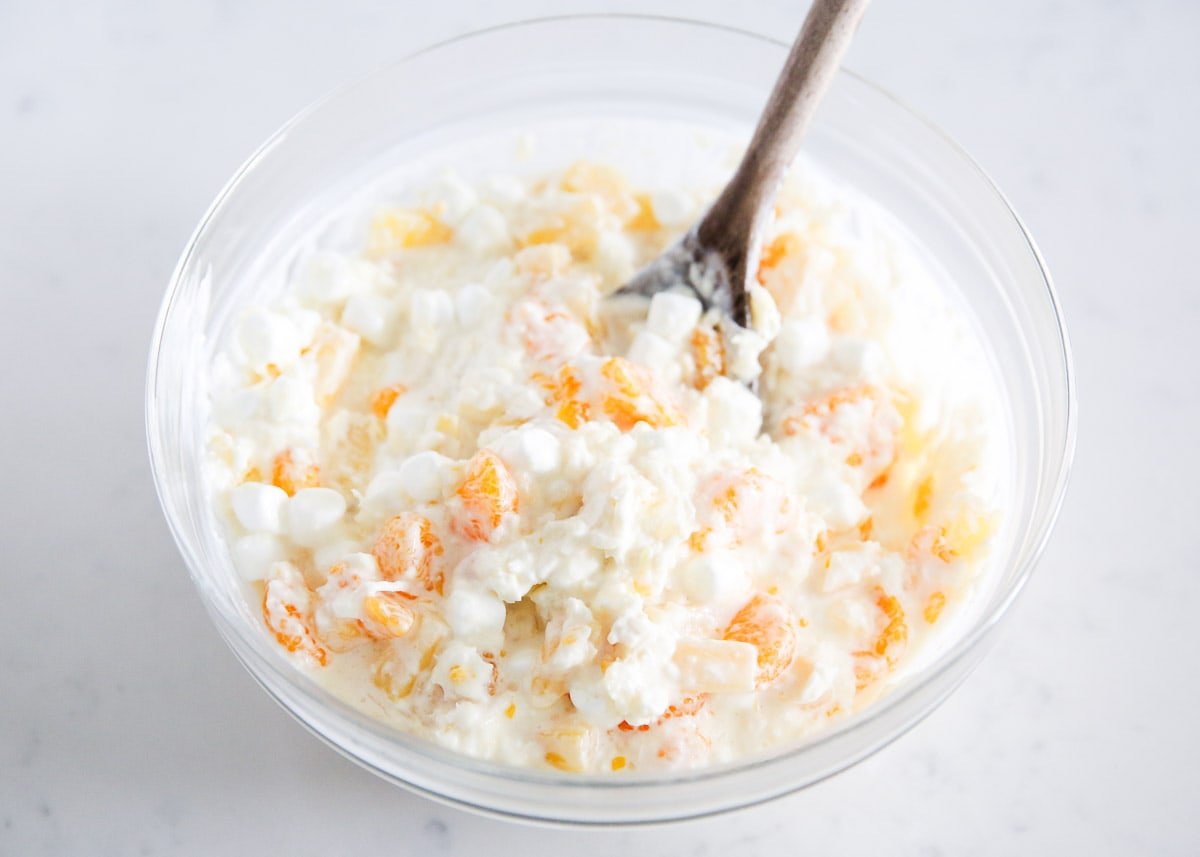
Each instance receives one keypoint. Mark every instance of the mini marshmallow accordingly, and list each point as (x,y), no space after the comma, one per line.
(462,673)
(259,507)
(312,514)
(253,555)
(673,315)
(614,256)
(713,578)
(406,419)
(475,615)
(484,230)
(473,304)
(651,350)
(672,208)
(450,197)
(764,314)
(370,316)
(430,310)
(424,475)
(529,450)
(801,343)
(734,413)
(268,338)
(329,277)
(505,190)
(291,400)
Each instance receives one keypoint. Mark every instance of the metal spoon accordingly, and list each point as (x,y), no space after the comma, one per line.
(718,255)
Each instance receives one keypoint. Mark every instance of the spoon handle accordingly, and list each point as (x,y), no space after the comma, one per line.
(733,222)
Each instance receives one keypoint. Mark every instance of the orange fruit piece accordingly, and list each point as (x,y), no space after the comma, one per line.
(777,249)
(400,229)
(644,220)
(291,472)
(287,612)
(895,634)
(768,624)
(634,400)
(489,495)
(933,607)
(408,546)
(383,399)
(708,352)
(563,395)
(387,615)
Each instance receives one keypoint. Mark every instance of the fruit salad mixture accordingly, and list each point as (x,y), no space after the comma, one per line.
(486,505)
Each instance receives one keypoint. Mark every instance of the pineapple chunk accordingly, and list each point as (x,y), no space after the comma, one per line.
(716,666)
(569,747)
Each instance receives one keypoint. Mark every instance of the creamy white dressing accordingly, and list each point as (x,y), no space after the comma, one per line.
(480,507)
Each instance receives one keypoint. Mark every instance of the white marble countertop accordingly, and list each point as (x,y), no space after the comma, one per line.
(127,728)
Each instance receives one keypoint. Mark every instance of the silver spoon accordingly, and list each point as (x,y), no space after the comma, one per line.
(718,255)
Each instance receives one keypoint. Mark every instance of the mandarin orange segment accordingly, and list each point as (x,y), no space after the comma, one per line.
(633,400)
(292,471)
(708,353)
(408,546)
(644,220)
(563,395)
(332,352)
(601,181)
(769,625)
(387,616)
(489,495)
(776,250)
(933,607)
(922,499)
(820,412)
(399,229)
(287,612)
(383,399)
(894,635)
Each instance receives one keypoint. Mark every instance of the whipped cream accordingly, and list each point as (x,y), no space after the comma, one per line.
(477,504)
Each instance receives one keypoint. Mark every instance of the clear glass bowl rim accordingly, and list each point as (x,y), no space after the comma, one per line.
(231,627)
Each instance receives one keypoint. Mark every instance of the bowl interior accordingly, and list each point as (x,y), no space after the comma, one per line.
(618,73)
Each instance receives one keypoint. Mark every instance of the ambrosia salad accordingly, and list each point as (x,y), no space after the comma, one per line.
(482,503)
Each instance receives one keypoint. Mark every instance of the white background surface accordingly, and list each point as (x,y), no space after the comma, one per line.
(127,728)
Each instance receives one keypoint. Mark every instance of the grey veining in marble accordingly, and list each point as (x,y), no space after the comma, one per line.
(127,728)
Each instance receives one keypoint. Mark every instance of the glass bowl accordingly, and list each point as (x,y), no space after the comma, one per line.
(596,67)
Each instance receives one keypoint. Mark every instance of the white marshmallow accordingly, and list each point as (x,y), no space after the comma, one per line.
(764,314)
(253,555)
(734,413)
(713,578)
(291,400)
(312,514)
(475,615)
(801,344)
(430,311)
(505,190)
(451,197)
(672,208)
(259,507)
(424,475)
(484,230)
(651,350)
(407,418)
(472,304)
(268,338)
(614,256)
(462,673)
(529,450)
(370,316)
(673,315)
(329,277)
